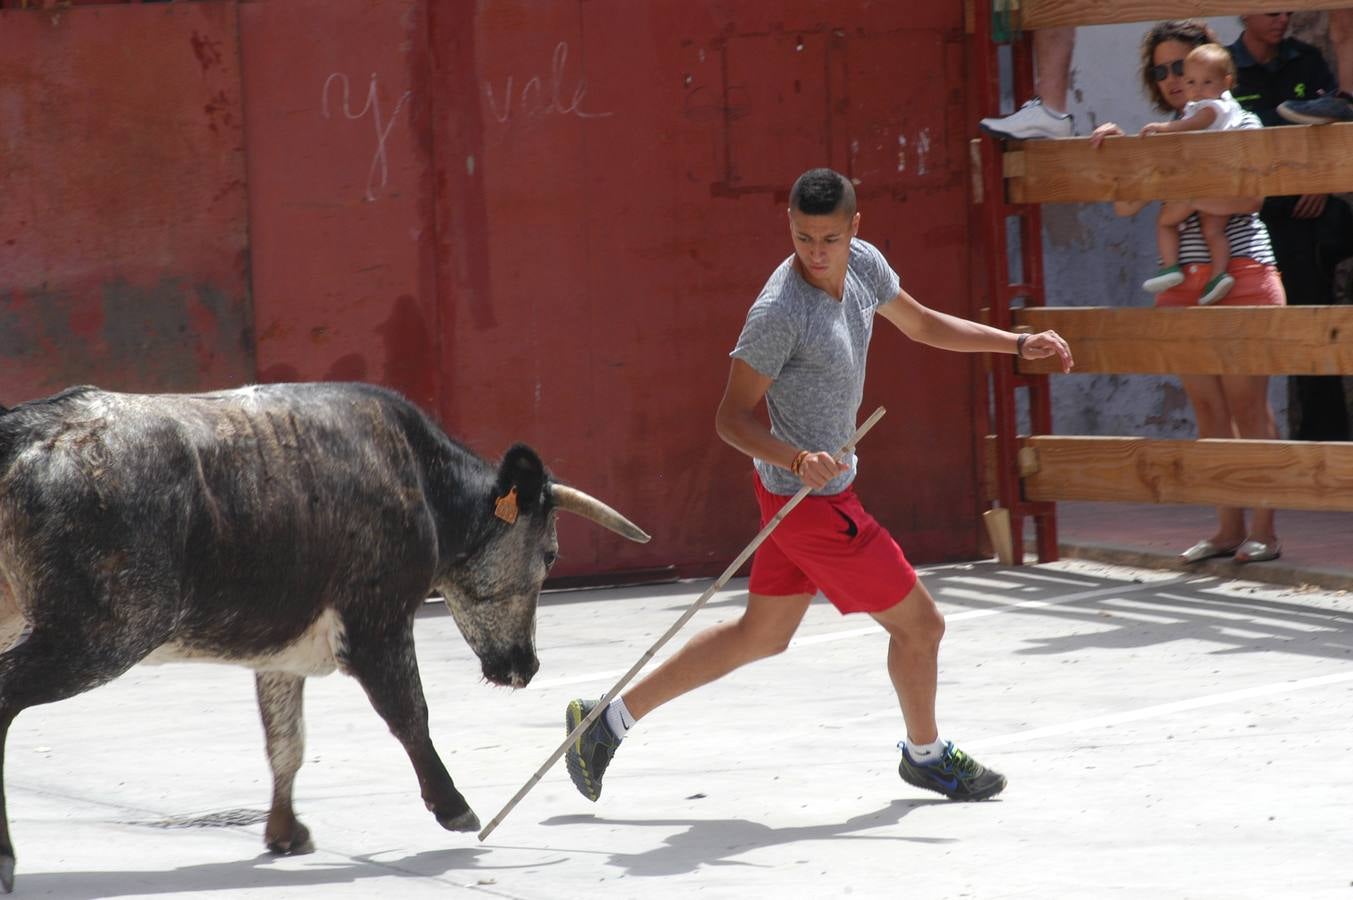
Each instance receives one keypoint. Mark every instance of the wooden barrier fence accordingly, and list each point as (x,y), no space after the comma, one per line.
(1034,14)
(1217,341)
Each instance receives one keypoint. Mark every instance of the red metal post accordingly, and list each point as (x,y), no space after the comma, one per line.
(1008,291)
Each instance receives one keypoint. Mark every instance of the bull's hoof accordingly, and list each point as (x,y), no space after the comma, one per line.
(292,849)
(466,821)
(6,873)
(294,844)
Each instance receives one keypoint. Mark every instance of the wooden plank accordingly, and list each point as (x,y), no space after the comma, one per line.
(1227,340)
(998,530)
(1056,13)
(1256,162)
(1274,474)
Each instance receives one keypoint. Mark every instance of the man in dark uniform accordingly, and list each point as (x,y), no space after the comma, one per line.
(1312,232)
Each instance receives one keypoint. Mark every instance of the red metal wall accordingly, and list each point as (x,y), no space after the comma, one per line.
(123,250)
(543,220)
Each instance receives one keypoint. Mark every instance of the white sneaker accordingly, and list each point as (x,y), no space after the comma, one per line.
(1166,278)
(1033,120)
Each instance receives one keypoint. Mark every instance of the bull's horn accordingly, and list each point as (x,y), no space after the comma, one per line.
(589,507)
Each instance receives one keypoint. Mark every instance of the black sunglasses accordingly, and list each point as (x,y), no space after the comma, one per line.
(1161,72)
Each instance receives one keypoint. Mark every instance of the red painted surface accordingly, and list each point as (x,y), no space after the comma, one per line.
(544,221)
(625,203)
(341,166)
(123,252)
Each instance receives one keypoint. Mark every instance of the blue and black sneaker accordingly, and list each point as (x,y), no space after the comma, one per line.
(591,753)
(955,774)
(1322,110)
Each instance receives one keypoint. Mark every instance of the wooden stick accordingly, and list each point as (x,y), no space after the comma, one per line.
(676,626)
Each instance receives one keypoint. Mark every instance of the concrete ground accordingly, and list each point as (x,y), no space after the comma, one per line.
(1165,736)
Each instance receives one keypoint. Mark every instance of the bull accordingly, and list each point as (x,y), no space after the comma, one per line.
(293,529)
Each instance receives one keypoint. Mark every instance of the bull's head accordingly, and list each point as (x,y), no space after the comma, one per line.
(493,595)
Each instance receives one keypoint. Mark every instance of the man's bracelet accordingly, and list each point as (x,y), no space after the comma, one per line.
(1019,345)
(798,461)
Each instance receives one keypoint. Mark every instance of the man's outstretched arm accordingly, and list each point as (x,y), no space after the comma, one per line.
(937,329)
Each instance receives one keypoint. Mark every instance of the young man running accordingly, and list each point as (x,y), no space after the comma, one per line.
(803,351)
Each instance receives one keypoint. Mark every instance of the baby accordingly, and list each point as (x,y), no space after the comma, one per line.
(1208,76)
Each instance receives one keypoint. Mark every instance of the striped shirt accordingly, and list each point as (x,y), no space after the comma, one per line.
(1246,234)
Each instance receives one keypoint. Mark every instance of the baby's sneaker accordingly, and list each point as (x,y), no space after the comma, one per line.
(1166,278)
(1215,289)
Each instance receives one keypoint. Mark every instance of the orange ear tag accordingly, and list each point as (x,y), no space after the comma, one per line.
(505,507)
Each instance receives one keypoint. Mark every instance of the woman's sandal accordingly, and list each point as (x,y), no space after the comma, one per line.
(1258,551)
(1207,550)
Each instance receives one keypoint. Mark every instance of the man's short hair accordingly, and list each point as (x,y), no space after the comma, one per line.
(822,192)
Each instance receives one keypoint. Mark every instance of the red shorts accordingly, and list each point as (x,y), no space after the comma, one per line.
(1256,285)
(830,544)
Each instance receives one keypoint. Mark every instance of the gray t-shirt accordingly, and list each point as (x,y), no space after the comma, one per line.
(814,347)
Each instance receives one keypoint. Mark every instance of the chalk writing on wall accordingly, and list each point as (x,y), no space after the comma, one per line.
(541,96)
(378,173)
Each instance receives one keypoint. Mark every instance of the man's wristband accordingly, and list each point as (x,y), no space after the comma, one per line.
(798,461)
(1019,345)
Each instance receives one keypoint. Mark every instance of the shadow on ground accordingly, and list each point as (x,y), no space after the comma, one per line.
(1132,614)
(713,842)
(245,874)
